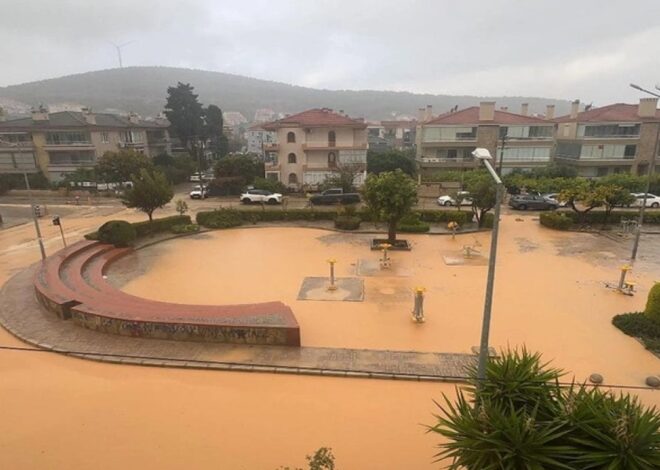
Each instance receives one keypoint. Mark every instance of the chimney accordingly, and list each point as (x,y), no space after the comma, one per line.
(524,109)
(487,111)
(575,109)
(89,117)
(40,114)
(647,107)
(428,113)
(504,108)
(133,118)
(550,111)
(421,114)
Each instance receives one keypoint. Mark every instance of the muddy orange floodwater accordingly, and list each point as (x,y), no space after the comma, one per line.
(59,412)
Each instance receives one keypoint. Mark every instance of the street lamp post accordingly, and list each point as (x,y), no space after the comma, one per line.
(484,155)
(651,170)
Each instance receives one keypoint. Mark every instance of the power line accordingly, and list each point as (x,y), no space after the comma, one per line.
(229,363)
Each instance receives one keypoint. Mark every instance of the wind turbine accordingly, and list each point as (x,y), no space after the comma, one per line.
(119,48)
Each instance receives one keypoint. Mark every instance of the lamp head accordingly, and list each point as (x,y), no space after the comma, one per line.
(482,154)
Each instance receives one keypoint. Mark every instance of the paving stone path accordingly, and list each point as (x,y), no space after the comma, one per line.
(23,316)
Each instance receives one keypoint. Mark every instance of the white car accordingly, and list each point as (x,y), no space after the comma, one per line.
(555,197)
(463,198)
(260,195)
(651,200)
(199,192)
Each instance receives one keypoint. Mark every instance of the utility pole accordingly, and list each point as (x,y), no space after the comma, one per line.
(651,171)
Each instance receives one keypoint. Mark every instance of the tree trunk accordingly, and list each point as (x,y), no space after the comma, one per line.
(150,214)
(391,232)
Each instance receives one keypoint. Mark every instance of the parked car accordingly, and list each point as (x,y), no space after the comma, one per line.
(260,195)
(334,196)
(199,192)
(463,198)
(532,201)
(651,200)
(555,197)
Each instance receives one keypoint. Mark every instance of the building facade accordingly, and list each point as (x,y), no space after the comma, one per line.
(315,144)
(257,139)
(619,138)
(60,143)
(516,141)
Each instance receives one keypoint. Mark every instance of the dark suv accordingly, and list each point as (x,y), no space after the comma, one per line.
(532,201)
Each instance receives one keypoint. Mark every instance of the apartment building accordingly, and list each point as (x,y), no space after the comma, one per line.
(59,143)
(515,140)
(257,139)
(610,139)
(314,144)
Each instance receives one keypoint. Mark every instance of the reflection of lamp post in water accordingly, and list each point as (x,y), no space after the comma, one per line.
(332,285)
(32,206)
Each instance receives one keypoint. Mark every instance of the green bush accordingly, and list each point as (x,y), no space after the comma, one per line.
(412,223)
(599,217)
(347,222)
(268,184)
(639,325)
(556,220)
(160,225)
(222,218)
(184,228)
(117,232)
(652,309)
(460,217)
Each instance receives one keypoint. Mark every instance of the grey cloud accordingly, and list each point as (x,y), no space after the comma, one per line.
(588,49)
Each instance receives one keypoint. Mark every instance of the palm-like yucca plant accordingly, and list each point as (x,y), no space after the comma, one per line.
(520,418)
(612,432)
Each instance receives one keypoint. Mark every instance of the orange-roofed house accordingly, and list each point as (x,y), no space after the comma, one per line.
(618,138)
(515,140)
(312,145)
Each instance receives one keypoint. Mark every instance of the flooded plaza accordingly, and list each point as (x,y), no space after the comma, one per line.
(61,412)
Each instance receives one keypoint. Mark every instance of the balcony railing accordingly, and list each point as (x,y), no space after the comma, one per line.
(327,146)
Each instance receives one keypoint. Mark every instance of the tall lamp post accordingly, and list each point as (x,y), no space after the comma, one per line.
(32,207)
(651,170)
(484,155)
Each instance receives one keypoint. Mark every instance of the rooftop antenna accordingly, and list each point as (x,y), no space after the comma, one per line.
(119,48)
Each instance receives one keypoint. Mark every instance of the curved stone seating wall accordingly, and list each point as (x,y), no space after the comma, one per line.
(71,284)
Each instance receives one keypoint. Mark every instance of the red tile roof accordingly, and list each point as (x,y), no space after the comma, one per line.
(319,117)
(471,116)
(618,112)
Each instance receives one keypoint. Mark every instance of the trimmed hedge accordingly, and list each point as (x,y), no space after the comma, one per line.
(421,227)
(598,217)
(640,326)
(347,222)
(222,218)
(117,232)
(555,220)
(185,228)
(460,217)
(149,228)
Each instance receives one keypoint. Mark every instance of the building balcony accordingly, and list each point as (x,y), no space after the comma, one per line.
(70,146)
(271,147)
(329,146)
(582,161)
(438,162)
(132,145)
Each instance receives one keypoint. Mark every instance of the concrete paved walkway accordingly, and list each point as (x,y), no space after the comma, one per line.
(22,315)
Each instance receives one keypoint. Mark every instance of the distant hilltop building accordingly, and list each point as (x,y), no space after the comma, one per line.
(262,115)
(313,145)
(233,118)
(60,143)
(59,107)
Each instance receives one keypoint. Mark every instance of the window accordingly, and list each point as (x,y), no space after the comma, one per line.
(609,130)
(67,138)
(132,137)
(602,171)
(332,160)
(332,139)
(293,178)
(104,138)
(630,151)
(291,138)
(292,158)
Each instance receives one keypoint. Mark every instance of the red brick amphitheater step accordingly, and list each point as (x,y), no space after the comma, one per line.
(72,284)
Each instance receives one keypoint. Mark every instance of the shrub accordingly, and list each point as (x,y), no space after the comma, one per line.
(117,232)
(184,228)
(223,218)
(347,222)
(652,309)
(556,220)
(488,219)
(160,225)
(639,325)
(412,223)
(268,184)
(460,217)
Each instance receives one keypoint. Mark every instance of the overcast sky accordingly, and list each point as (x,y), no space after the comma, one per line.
(587,49)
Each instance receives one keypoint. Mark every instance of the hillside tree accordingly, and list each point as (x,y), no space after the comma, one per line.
(390,160)
(186,115)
